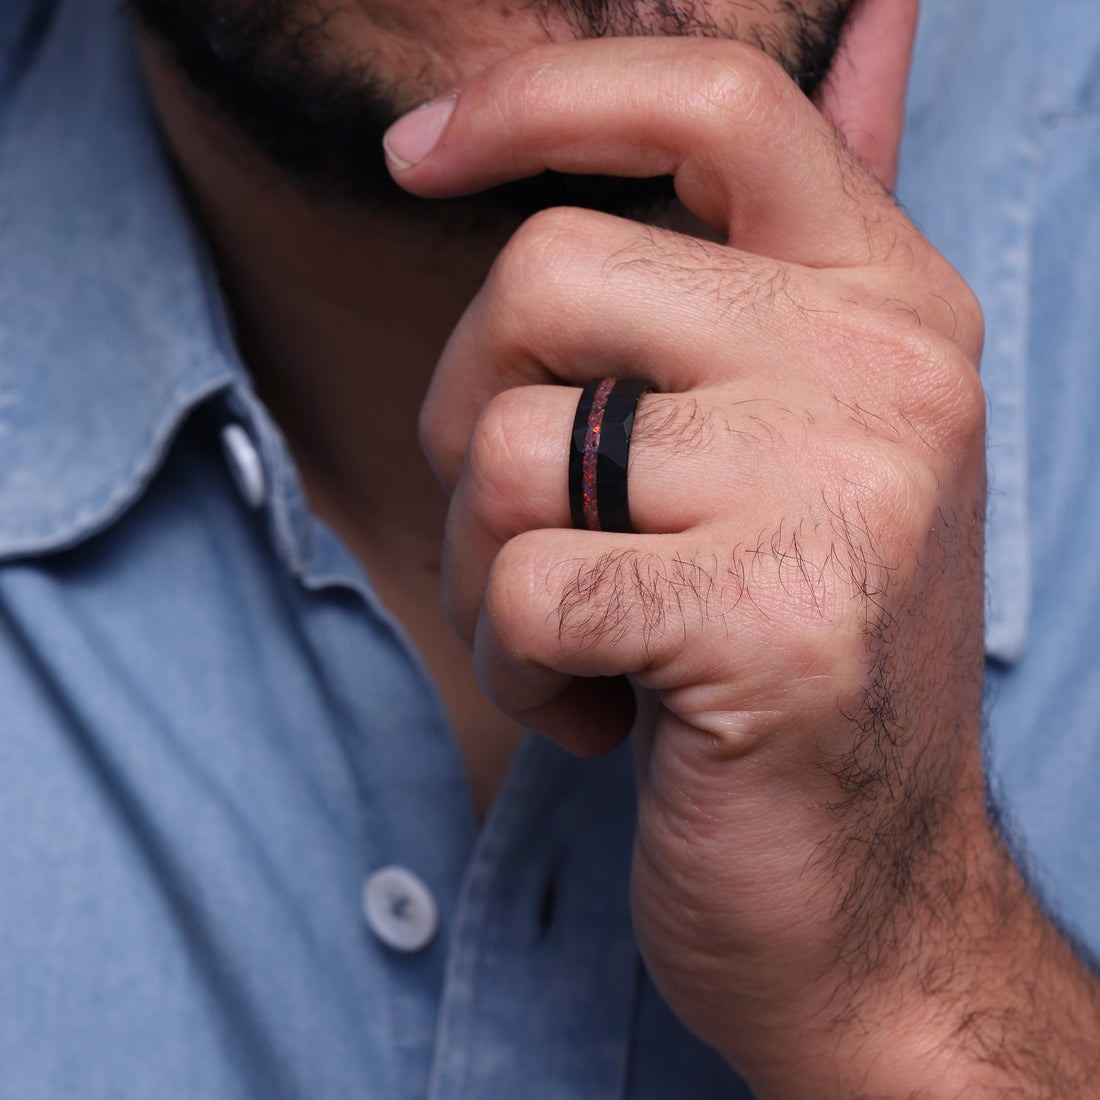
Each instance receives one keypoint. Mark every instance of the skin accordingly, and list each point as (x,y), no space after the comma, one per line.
(794,638)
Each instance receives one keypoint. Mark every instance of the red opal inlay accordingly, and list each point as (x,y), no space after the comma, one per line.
(591,450)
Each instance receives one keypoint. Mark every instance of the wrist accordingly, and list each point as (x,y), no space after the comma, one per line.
(986,1000)
(865,976)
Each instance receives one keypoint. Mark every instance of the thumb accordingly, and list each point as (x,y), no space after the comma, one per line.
(864,94)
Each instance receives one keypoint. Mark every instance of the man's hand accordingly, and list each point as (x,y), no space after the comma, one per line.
(817,889)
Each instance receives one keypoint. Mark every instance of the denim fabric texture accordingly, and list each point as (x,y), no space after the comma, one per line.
(212,733)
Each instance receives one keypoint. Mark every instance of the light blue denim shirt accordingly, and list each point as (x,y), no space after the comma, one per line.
(212,734)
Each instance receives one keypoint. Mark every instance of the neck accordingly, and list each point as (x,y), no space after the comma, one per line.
(341,316)
(341,313)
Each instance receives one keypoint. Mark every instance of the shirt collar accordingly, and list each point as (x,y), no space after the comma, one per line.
(111,328)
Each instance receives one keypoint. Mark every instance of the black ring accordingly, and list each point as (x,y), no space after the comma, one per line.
(599,453)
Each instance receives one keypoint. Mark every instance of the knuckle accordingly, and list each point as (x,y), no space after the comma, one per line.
(934,383)
(970,320)
(893,494)
(953,400)
(544,244)
(496,444)
(739,78)
(962,404)
(965,323)
(508,476)
(749,89)
(537,272)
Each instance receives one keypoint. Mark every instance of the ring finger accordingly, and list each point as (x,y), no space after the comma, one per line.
(689,459)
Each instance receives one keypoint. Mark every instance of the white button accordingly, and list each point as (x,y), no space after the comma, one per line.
(244,465)
(400,909)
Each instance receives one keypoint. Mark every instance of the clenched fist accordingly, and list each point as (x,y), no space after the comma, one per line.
(795,629)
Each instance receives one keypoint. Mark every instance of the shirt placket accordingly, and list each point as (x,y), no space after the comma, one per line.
(539,995)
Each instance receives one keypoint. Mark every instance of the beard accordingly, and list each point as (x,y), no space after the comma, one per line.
(268,71)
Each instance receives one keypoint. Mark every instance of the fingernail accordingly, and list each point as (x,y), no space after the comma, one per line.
(411,138)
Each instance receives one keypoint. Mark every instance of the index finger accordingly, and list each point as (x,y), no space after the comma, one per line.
(749,153)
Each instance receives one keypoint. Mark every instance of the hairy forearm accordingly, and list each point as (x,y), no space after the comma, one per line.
(966,990)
